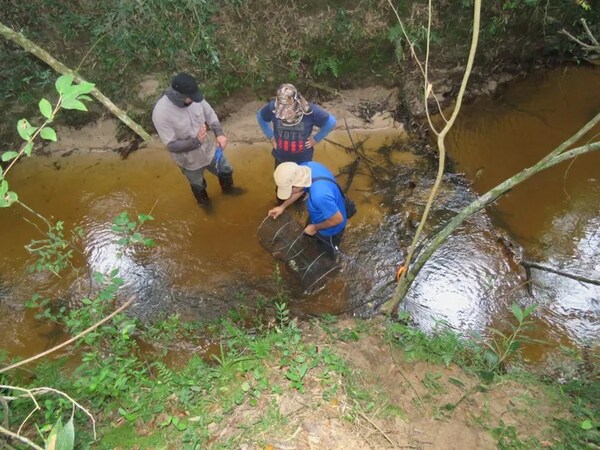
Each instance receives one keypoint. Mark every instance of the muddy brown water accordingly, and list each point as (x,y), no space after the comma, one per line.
(554,216)
(210,260)
(203,265)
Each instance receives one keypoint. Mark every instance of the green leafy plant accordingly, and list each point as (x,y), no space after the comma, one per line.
(128,230)
(506,345)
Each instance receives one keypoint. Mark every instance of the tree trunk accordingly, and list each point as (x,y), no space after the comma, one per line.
(59,67)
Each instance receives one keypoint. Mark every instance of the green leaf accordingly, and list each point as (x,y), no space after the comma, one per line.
(46,108)
(8,199)
(517,312)
(245,386)
(586,424)
(66,438)
(27,149)
(63,83)
(49,134)
(529,310)
(77,91)
(144,217)
(3,188)
(83,88)
(456,382)
(179,424)
(71,103)
(166,422)
(7,156)
(61,438)
(487,376)
(25,129)
(491,358)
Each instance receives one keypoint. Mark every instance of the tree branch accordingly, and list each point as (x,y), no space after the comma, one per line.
(19,438)
(529,264)
(397,297)
(70,341)
(489,197)
(59,67)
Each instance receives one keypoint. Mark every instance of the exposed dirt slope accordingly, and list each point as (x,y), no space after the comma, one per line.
(391,404)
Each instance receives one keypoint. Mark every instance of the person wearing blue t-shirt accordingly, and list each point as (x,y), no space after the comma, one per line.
(325,204)
(293,120)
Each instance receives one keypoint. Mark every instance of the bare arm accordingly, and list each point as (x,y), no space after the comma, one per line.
(313,228)
(278,210)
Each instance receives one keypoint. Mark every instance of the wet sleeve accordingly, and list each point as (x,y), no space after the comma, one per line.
(183,145)
(264,116)
(211,118)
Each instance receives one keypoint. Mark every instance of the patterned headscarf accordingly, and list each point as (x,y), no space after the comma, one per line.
(290,106)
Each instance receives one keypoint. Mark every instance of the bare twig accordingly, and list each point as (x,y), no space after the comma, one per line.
(383,433)
(593,47)
(19,438)
(398,294)
(70,341)
(534,265)
(415,57)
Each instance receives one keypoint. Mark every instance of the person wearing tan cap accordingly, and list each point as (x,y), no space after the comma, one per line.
(288,122)
(327,216)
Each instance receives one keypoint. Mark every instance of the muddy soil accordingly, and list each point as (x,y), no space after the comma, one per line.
(415,405)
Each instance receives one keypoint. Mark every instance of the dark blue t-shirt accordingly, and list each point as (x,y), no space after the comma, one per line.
(291,140)
(324,198)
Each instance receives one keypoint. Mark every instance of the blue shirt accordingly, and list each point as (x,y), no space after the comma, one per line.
(291,139)
(324,199)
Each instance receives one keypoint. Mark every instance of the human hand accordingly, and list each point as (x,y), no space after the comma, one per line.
(202,133)
(274,142)
(222,141)
(275,212)
(310,229)
(310,142)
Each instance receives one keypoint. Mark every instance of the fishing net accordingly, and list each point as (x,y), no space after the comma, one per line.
(284,238)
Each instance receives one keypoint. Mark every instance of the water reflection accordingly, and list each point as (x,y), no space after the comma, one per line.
(200,264)
(555,214)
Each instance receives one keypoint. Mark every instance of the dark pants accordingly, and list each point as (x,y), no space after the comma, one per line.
(328,244)
(196,177)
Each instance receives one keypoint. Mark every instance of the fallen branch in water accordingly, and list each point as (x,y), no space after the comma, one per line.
(70,341)
(557,156)
(533,265)
(405,278)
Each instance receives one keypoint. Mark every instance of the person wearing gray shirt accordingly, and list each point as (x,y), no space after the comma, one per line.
(181,117)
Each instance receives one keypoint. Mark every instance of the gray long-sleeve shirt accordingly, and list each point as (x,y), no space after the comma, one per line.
(178,128)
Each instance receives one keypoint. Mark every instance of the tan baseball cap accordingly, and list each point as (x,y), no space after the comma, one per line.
(288,175)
